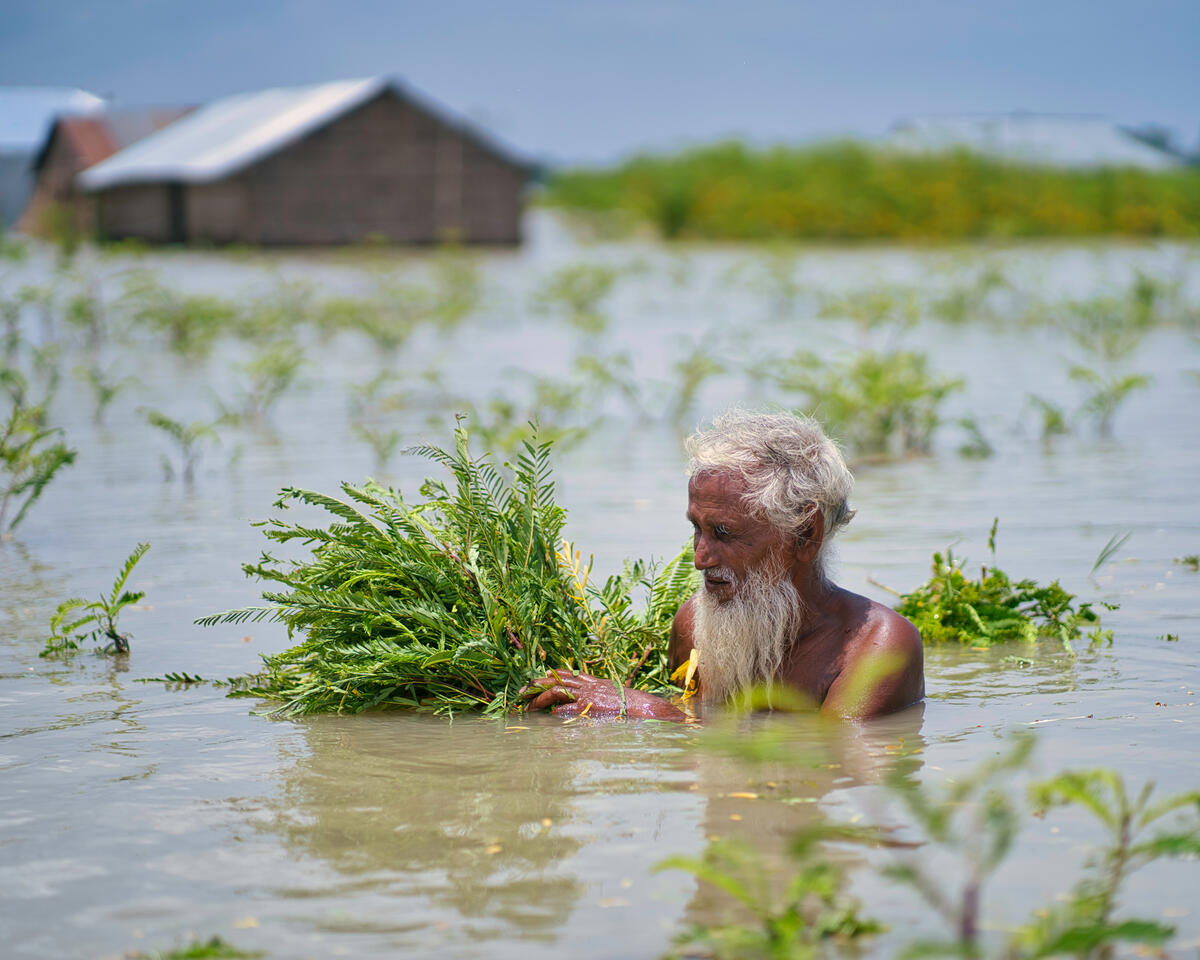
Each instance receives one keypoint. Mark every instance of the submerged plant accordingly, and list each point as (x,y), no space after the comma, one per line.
(31,453)
(1054,421)
(105,388)
(101,615)
(188,439)
(453,603)
(268,375)
(876,404)
(575,293)
(951,607)
(191,323)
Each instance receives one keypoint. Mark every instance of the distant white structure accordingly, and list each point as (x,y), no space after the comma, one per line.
(26,114)
(1059,141)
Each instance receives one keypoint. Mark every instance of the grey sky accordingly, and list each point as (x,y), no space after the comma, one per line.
(595,80)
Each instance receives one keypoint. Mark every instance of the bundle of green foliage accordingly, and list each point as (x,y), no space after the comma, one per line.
(453,603)
(849,191)
(951,607)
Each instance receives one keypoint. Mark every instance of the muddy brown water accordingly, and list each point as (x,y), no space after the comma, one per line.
(138,817)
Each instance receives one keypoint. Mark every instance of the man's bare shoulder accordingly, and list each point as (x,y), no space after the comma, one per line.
(883,666)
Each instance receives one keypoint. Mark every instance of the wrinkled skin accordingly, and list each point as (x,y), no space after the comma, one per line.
(569,694)
(853,657)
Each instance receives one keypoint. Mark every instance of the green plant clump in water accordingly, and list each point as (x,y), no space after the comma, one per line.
(454,603)
(76,613)
(30,452)
(876,403)
(812,909)
(214,948)
(951,607)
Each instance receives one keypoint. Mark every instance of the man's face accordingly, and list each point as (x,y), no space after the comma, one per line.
(729,542)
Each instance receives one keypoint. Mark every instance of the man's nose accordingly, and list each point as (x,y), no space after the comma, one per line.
(704,556)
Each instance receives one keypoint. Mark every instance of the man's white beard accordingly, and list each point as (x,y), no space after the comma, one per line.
(742,642)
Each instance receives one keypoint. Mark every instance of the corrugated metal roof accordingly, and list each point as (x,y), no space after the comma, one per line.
(26,113)
(1067,141)
(229,134)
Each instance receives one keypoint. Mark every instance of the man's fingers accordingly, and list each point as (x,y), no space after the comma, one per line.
(550,698)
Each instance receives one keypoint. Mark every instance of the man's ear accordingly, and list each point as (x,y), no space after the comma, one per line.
(810,538)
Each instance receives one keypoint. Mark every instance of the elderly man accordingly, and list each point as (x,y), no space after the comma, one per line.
(766,494)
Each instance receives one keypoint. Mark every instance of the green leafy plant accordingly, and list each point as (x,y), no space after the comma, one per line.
(31,454)
(974,818)
(951,607)
(71,616)
(188,439)
(1191,561)
(1139,833)
(267,376)
(105,388)
(877,404)
(793,923)
(575,293)
(191,323)
(453,603)
(1053,419)
(214,948)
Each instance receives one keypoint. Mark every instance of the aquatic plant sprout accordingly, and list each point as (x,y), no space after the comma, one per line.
(455,603)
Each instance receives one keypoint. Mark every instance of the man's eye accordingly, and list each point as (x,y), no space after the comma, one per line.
(721,531)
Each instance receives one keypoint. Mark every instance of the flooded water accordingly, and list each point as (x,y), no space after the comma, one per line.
(138,817)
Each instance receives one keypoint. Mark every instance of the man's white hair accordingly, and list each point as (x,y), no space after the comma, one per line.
(791,468)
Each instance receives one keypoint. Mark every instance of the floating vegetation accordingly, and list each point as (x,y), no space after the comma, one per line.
(1191,561)
(951,607)
(72,615)
(214,948)
(454,603)
(30,452)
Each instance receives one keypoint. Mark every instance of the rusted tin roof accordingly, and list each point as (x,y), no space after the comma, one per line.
(97,137)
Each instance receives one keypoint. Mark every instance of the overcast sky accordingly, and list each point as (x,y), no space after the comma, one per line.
(563,80)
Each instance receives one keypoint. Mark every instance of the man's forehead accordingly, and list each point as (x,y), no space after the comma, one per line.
(725,488)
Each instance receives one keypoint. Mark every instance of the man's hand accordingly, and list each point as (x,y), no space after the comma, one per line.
(569,694)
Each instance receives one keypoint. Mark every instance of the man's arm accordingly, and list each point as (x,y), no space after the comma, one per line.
(571,694)
(884,672)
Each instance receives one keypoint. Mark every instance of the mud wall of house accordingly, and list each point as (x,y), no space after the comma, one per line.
(138,210)
(389,170)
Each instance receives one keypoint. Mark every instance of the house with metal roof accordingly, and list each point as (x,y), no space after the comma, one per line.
(331,163)
(26,114)
(73,144)
(1041,139)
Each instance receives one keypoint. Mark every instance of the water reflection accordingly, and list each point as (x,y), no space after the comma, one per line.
(768,779)
(463,814)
